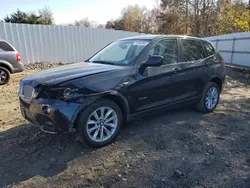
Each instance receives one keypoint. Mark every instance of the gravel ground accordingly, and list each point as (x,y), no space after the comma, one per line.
(178,149)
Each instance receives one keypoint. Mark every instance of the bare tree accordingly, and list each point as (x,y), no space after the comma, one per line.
(86,23)
(117,24)
(46,16)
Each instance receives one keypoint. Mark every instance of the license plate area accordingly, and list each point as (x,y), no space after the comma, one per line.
(24,104)
(25,112)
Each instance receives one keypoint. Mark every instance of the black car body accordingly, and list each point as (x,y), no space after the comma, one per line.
(159,72)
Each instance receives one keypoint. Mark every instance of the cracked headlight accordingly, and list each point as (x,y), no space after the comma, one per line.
(61,93)
(66,93)
(34,95)
(69,93)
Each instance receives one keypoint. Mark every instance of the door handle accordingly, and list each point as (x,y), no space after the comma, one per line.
(177,69)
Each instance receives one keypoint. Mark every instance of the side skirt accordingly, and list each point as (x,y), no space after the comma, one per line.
(164,108)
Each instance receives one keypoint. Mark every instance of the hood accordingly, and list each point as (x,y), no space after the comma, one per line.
(68,72)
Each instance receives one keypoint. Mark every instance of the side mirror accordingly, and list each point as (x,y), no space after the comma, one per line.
(154,61)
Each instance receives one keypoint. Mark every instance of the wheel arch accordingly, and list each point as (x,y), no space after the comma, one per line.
(217,80)
(115,97)
(6,65)
(121,101)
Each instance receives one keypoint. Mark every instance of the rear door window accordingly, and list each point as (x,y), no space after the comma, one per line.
(5,47)
(192,50)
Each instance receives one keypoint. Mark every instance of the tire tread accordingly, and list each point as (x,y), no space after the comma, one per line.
(201,104)
(8,75)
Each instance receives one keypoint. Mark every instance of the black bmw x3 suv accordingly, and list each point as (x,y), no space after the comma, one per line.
(128,78)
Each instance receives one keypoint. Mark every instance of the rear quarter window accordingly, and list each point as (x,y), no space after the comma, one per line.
(208,48)
(5,47)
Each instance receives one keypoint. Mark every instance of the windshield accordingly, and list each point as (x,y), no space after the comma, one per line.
(120,52)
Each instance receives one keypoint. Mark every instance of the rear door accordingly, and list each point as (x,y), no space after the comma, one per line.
(190,82)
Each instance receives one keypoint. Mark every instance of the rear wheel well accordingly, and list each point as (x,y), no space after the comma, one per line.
(6,67)
(218,81)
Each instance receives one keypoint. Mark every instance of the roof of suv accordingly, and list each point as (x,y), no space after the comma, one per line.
(151,37)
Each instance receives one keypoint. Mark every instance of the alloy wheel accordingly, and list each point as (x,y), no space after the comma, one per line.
(212,98)
(101,124)
(3,76)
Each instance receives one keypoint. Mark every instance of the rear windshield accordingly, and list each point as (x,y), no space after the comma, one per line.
(5,47)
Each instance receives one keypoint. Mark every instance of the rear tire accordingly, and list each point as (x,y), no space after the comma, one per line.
(99,124)
(4,76)
(210,98)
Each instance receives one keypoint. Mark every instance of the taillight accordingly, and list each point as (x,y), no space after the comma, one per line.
(18,58)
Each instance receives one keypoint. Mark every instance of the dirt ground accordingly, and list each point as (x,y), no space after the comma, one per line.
(178,149)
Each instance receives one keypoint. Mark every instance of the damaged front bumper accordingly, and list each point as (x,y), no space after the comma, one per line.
(52,116)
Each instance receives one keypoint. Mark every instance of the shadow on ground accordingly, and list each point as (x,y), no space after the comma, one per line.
(27,152)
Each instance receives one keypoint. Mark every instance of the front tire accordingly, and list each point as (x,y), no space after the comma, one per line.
(99,123)
(210,98)
(4,76)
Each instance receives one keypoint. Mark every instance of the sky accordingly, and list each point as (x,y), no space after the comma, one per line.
(67,11)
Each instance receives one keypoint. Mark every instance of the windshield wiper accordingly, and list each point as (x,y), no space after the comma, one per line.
(103,62)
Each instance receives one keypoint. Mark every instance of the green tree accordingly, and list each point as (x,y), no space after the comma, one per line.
(203,17)
(235,17)
(44,17)
(16,17)
(32,18)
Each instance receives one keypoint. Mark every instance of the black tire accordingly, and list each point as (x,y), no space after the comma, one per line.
(201,106)
(81,126)
(7,73)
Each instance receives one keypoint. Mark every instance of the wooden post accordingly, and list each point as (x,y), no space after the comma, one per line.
(187,16)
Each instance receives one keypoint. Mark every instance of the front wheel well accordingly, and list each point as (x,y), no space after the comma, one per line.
(218,81)
(123,105)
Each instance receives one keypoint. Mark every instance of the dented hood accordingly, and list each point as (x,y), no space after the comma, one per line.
(68,72)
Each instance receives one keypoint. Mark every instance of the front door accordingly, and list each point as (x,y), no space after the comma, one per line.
(154,86)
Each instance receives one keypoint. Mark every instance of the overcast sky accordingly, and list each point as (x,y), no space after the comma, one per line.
(67,11)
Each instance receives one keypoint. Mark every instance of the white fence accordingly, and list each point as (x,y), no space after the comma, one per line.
(40,43)
(235,48)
